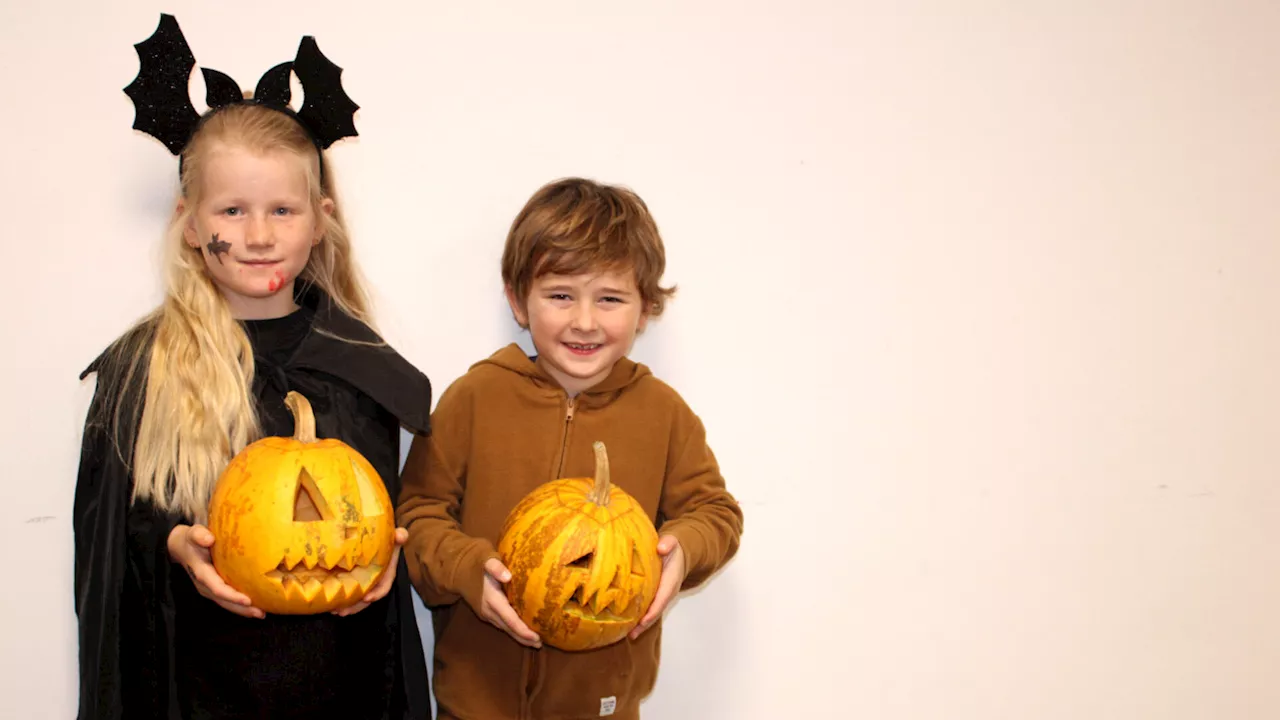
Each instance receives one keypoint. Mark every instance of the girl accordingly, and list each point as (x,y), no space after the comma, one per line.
(262,297)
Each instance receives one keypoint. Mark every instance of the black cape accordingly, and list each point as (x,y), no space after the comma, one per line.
(124,591)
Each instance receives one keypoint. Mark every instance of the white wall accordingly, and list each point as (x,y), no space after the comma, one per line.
(979,302)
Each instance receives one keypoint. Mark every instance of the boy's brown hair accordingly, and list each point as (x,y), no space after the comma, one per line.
(574,225)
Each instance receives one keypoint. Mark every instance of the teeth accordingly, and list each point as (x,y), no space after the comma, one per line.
(364,576)
(311,588)
(349,583)
(308,582)
(367,553)
(292,558)
(331,558)
(332,586)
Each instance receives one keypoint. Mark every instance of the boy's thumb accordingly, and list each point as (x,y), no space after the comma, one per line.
(494,567)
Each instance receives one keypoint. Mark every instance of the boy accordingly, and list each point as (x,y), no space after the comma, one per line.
(581,269)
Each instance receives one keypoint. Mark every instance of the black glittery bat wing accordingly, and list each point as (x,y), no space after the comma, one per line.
(326,108)
(162,104)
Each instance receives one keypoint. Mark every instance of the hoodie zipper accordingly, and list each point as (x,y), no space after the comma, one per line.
(564,441)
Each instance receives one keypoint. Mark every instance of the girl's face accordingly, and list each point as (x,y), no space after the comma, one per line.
(255,227)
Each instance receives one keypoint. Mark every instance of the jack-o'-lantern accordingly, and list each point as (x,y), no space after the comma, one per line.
(584,563)
(301,525)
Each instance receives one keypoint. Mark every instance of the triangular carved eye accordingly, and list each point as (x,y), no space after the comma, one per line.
(308,503)
(584,562)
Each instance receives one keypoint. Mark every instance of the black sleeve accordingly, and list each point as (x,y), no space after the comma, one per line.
(123,597)
(98,525)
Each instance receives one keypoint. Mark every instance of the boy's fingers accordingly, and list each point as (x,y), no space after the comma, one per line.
(496,620)
(659,604)
(660,600)
(665,592)
(517,627)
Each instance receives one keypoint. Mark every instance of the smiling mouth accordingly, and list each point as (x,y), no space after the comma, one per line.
(582,348)
(343,580)
(259,263)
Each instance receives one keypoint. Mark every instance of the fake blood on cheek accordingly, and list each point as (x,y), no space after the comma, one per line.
(276,282)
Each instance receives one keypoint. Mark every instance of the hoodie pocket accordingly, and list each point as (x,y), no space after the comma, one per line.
(597,683)
(476,667)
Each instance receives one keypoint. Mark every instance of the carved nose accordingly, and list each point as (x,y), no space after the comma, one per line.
(308,503)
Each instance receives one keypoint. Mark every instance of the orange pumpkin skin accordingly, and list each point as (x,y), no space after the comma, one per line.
(584,563)
(301,525)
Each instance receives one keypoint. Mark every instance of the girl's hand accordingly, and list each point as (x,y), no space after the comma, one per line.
(189,546)
(379,591)
(673,574)
(495,608)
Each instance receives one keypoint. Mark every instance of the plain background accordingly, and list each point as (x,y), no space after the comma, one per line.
(978,301)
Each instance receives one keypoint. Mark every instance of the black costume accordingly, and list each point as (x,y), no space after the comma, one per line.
(150,645)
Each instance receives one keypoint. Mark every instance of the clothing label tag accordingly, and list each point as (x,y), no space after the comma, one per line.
(608,705)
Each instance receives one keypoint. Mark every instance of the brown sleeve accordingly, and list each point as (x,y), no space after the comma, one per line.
(444,562)
(699,511)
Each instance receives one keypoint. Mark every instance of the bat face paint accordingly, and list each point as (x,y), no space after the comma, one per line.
(218,248)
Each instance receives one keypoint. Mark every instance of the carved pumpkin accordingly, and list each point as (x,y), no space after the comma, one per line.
(301,525)
(583,556)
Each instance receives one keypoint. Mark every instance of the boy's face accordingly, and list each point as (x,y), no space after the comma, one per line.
(581,324)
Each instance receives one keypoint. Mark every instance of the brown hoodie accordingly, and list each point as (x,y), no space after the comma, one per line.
(500,431)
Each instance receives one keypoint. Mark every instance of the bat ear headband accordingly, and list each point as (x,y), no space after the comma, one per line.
(163,106)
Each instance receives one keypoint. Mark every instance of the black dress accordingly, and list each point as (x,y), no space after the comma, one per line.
(151,646)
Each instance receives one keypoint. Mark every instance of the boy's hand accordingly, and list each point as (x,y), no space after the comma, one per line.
(379,591)
(495,609)
(189,546)
(673,572)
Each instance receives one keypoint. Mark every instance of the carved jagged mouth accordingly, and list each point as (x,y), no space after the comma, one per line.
(608,605)
(308,578)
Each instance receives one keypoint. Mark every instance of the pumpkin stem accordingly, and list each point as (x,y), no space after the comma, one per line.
(304,421)
(600,493)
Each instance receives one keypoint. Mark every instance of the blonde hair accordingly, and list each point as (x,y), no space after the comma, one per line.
(199,407)
(573,224)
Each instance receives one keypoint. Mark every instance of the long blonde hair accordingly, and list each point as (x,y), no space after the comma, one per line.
(199,409)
